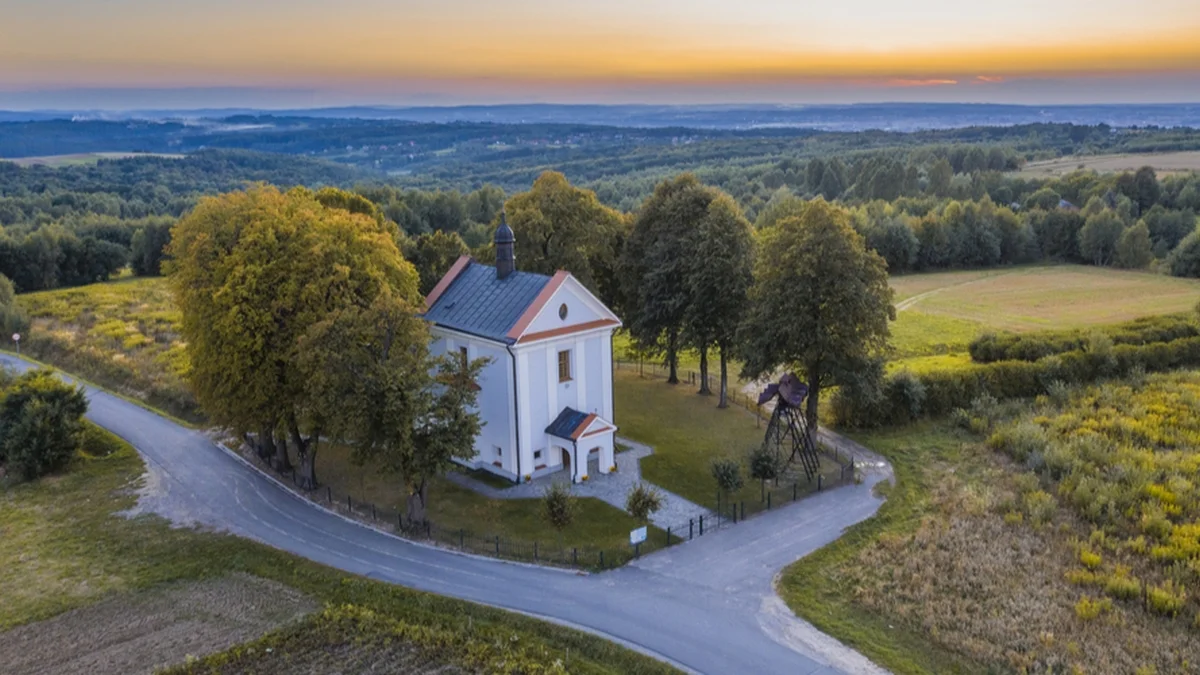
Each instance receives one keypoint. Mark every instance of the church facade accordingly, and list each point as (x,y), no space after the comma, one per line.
(546,394)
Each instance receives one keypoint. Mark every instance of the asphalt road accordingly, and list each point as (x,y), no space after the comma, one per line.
(706,606)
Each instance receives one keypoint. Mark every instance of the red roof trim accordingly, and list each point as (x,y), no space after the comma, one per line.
(455,269)
(587,421)
(603,430)
(538,303)
(568,330)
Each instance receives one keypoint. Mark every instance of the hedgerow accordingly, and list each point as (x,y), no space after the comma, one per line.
(991,347)
(947,390)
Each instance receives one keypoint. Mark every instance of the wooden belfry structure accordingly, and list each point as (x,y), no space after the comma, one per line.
(787,432)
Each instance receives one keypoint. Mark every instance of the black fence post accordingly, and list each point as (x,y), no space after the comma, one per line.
(428,530)
(329,494)
(497,546)
(793,492)
(399,521)
(535,555)
(768,501)
(373,517)
(462,539)
(743,510)
(820,480)
(349,503)
(668,536)
(691,528)
(601,559)
(575,557)
(735,514)
(701,525)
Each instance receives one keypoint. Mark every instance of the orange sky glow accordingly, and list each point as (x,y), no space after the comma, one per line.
(468,48)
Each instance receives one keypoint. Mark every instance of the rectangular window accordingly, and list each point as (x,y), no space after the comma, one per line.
(499,451)
(564,366)
(537,454)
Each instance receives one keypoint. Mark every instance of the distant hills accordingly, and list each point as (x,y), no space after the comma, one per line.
(901,117)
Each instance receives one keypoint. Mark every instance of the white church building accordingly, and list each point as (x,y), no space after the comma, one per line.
(546,395)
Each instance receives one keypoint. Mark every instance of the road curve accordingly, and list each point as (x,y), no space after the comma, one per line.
(699,606)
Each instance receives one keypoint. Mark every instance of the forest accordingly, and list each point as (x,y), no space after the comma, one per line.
(927,200)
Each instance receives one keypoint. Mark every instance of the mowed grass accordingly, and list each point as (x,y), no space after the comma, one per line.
(597,524)
(688,432)
(64,543)
(1165,162)
(940,313)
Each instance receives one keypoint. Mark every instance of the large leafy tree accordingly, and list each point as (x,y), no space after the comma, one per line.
(41,423)
(561,227)
(656,262)
(820,303)
(433,254)
(718,276)
(253,273)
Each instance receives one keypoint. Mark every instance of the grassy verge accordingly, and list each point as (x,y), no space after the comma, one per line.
(688,432)
(815,589)
(64,545)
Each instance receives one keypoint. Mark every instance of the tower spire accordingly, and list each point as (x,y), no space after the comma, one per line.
(506,262)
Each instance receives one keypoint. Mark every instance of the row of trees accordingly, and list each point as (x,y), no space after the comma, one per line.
(301,318)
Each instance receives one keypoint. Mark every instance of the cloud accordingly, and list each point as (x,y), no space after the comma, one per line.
(931,82)
(989,79)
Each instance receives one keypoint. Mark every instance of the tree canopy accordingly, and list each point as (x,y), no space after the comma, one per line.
(820,303)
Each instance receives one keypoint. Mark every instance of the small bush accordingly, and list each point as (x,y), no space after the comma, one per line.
(906,395)
(1089,558)
(1167,599)
(41,423)
(1088,608)
(98,443)
(643,501)
(728,475)
(1039,506)
(559,506)
(1122,586)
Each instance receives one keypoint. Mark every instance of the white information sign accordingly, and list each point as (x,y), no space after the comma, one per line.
(637,536)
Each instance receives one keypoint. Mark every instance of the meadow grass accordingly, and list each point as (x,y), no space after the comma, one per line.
(66,544)
(1162,162)
(976,563)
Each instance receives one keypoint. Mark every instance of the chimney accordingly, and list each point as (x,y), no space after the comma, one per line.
(506,262)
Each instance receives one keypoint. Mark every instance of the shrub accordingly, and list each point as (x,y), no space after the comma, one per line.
(905,394)
(97,443)
(1088,609)
(1184,261)
(559,506)
(1039,506)
(991,347)
(1089,558)
(643,501)
(765,464)
(728,474)
(1167,599)
(1122,586)
(1022,441)
(41,423)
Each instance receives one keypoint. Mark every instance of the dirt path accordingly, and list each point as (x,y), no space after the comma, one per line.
(140,632)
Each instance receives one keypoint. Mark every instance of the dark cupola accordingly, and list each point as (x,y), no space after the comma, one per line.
(506,262)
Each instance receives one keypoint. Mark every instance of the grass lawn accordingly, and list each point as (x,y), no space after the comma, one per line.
(687,433)
(1163,163)
(597,524)
(63,545)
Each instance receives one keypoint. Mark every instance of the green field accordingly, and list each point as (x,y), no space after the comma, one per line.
(941,312)
(67,544)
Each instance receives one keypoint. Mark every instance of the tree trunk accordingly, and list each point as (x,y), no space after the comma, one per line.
(279,460)
(704,390)
(672,356)
(416,503)
(724,401)
(306,477)
(810,413)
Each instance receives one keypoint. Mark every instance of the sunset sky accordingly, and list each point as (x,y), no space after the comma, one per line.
(127,53)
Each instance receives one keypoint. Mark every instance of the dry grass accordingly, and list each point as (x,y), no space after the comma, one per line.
(122,334)
(1163,163)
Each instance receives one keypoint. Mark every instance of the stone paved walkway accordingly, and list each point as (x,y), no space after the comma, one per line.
(610,488)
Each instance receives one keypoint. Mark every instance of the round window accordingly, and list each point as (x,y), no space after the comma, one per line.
(562,311)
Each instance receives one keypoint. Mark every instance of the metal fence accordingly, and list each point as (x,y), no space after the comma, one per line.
(549,552)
